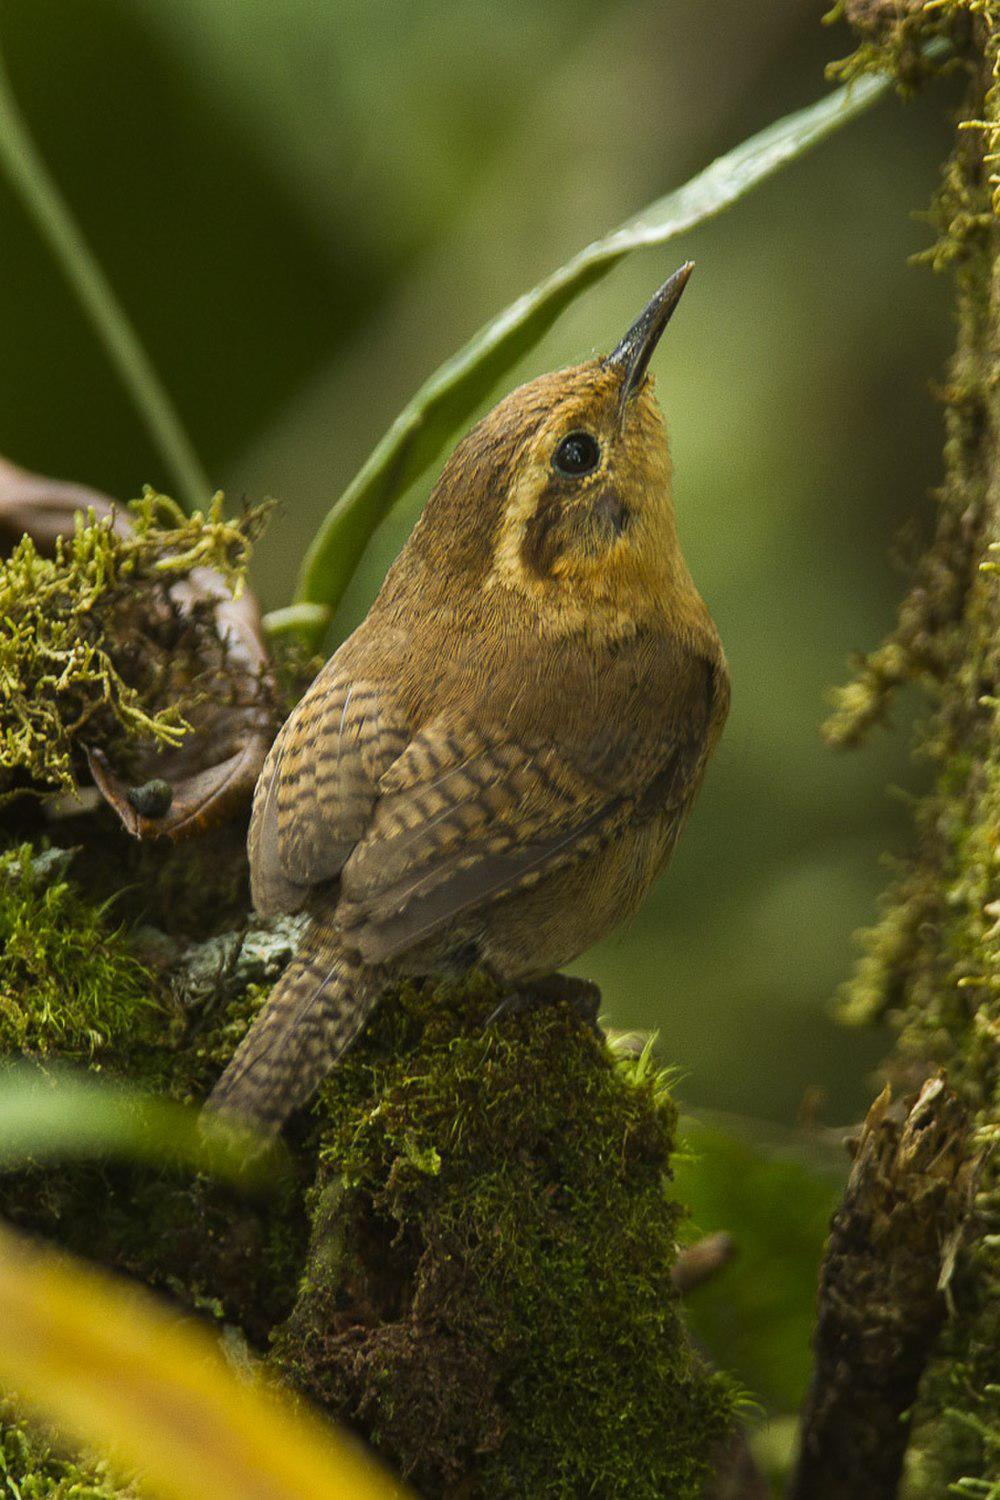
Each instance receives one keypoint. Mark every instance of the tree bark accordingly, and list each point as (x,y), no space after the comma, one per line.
(881,1297)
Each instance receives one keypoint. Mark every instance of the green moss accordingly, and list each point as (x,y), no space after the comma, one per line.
(69,983)
(34,1467)
(89,656)
(956,1449)
(489,1291)
(165,1014)
(894,38)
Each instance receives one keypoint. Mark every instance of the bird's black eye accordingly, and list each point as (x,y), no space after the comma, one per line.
(577,454)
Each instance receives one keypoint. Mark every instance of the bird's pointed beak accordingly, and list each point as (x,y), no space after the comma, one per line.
(633,354)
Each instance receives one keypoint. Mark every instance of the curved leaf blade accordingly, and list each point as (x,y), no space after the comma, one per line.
(64,1115)
(461,384)
(117,1369)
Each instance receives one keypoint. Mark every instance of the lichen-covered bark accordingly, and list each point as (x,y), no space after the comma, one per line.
(933,961)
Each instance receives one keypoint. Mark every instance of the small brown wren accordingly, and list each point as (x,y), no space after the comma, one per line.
(493,768)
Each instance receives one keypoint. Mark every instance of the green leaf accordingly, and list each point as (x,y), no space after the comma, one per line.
(445,401)
(756,1317)
(61,1114)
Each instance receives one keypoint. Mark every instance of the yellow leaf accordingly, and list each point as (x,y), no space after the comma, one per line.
(117,1369)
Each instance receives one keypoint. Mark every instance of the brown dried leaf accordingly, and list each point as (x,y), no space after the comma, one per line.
(44,508)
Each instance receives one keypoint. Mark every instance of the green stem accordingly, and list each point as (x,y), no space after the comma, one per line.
(32,181)
(307,620)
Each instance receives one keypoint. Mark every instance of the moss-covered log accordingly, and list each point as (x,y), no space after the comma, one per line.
(489,1293)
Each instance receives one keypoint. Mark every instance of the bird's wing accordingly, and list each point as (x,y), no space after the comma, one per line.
(316,792)
(468,814)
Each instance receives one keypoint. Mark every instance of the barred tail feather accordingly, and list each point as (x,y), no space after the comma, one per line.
(313,1014)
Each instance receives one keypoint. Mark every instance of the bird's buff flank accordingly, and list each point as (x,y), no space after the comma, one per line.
(493,768)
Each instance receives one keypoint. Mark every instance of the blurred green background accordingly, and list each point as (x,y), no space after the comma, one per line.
(306,206)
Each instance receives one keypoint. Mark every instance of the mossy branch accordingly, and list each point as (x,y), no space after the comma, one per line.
(932,965)
(490,1294)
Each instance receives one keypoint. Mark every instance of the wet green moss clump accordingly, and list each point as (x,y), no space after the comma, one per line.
(488,1296)
(894,38)
(69,982)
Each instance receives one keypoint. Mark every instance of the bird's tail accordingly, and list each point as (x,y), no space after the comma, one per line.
(312,1015)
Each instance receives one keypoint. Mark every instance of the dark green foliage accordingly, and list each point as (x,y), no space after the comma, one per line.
(762,1308)
(489,1293)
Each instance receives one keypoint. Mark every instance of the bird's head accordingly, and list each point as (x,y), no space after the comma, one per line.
(562,493)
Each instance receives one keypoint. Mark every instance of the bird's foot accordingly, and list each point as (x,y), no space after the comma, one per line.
(581,994)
